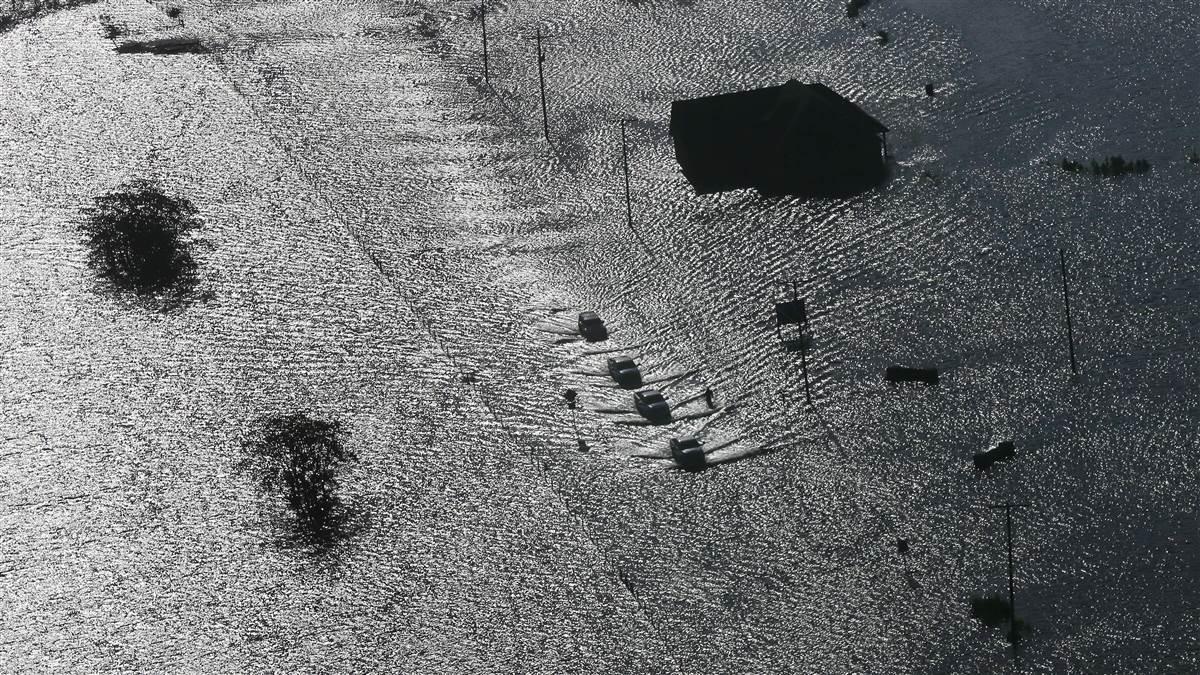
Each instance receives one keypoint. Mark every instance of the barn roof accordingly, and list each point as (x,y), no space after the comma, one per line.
(722,139)
(782,104)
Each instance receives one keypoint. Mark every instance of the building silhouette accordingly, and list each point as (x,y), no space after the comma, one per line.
(792,139)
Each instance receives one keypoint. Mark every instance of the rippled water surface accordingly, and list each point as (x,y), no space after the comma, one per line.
(392,243)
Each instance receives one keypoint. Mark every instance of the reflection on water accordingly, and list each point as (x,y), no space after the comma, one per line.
(389,240)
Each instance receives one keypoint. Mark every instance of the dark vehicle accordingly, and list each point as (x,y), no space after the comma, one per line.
(625,372)
(688,452)
(902,374)
(592,327)
(651,405)
(1001,453)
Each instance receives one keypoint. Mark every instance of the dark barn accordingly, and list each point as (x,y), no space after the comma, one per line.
(793,139)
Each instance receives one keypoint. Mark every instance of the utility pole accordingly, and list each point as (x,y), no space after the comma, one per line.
(483,25)
(541,57)
(625,159)
(804,366)
(1062,259)
(1013,637)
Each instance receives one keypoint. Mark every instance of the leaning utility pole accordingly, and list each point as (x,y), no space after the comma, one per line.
(1062,259)
(625,159)
(541,58)
(483,25)
(1013,637)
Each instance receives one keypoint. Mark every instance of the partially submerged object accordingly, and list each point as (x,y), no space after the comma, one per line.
(651,405)
(791,312)
(176,45)
(592,327)
(625,372)
(791,139)
(1001,453)
(688,452)
(903,374)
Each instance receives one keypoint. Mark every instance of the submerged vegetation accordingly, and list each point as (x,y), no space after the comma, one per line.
(141,241)
(110,29)
(1194,157)
(1112,166)
(298,457)
(13,12)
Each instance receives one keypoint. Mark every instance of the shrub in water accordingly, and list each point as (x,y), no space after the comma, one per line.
(141,239)
(854,6)
(298,456)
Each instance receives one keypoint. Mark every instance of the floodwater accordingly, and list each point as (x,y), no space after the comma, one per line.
(393,244)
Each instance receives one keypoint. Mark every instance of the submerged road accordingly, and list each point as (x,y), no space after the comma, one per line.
(381,227)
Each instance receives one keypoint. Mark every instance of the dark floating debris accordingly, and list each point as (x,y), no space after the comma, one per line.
(688,453)
(183,45)
(903,374)
(1108,168)
(570,396)
(882,37)
(1001,453)
(902,546)
(853,7)
(625,372)
(651,405)
(592,327)
(929,90)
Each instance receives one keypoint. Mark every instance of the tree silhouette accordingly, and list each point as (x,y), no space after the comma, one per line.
(141,240)
(299,456)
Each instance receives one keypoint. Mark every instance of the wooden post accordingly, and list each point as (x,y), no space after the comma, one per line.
(541,57)
(625,160)
(1013,637)
(1062,258)
(804,366)
(483,25)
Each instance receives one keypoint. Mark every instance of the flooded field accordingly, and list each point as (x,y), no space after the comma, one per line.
(390,242)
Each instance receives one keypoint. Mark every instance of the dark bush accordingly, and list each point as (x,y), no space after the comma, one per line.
(110,29)
(430,25)
(174,12)
(141,240)
(299,456)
